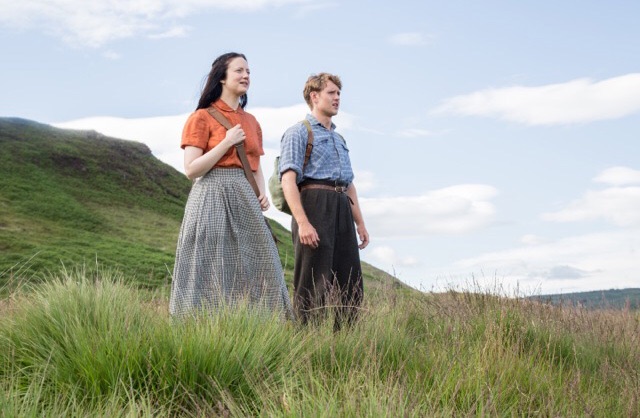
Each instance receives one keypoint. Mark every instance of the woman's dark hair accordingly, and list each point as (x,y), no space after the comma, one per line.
(212,90)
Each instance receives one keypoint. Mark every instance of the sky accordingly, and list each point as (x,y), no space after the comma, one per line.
(495,144)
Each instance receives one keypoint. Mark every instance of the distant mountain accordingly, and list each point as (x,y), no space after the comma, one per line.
(600,299)
(81,199)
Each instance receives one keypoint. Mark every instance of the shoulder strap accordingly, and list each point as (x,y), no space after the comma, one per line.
(239,148)
(307,153)
(222,120)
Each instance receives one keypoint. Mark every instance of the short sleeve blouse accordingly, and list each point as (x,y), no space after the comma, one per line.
(203,131)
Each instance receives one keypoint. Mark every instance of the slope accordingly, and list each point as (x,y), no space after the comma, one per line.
(80,199)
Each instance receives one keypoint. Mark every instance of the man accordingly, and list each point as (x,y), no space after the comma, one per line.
(324,205)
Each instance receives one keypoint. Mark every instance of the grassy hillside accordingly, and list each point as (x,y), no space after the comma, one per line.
(91,346)
(70,198)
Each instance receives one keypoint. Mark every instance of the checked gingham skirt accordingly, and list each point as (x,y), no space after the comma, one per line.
(225,253)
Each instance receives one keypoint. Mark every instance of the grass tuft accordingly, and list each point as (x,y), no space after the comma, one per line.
(83,343)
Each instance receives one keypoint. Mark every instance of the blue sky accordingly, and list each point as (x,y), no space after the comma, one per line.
(495,143)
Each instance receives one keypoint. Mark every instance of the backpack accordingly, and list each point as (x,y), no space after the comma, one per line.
(275,187)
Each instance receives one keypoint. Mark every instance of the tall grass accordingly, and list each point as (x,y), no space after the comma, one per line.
(91,345)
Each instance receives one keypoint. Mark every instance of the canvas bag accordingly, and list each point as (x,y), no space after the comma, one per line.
(275,186)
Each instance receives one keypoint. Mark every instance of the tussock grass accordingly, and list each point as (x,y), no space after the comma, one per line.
(84,344)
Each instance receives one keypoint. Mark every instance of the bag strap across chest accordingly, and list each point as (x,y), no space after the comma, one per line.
(242,154)
(307,153)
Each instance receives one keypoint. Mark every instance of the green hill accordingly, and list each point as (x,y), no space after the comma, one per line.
(78,198)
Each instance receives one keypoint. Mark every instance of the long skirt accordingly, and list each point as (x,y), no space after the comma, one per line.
(225,253)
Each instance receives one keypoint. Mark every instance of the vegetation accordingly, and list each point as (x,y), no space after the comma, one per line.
(85,345)
(71,198)
(97,340)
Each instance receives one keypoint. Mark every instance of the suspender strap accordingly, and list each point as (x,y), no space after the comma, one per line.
(239,149)
(307,153)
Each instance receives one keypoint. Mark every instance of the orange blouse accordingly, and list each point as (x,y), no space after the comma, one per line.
(203,131)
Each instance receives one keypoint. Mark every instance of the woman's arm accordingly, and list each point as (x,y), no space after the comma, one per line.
(259,176)
(197,163)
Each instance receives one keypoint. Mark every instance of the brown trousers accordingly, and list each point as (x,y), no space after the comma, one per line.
(328,278)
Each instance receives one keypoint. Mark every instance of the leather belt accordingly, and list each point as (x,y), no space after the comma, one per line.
(337,189)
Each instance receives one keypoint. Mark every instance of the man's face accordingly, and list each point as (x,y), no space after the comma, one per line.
(327,101)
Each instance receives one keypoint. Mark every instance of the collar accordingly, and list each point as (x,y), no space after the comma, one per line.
(313,121)
(224,107)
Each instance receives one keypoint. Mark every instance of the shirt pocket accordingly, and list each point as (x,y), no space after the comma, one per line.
(343,153)
(323,150)
(342,146)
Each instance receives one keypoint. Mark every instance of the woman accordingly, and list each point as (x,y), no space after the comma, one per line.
(225,251)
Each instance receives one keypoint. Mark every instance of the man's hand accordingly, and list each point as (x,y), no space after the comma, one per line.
(364,236)
(308,235)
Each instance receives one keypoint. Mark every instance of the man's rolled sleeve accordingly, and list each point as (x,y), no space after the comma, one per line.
(292,148)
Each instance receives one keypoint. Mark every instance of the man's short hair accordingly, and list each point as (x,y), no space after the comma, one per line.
(317,82)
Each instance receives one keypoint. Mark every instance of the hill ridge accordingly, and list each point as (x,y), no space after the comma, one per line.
(75,195)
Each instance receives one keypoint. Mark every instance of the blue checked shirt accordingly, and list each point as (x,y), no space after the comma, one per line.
(329,158)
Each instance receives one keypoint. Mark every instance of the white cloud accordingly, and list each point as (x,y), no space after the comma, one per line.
(388,256)
(577,101)
(619,176)
(174,32)
(414,133)
(531,239)
(364,181)
(111,55)
(564,273)
(592,261)
(309,9)
(452,210)
(408,39)
(618,205)
(95,23)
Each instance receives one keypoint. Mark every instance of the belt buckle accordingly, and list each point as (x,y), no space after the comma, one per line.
(341,189)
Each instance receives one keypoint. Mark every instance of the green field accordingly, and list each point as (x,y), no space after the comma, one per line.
(88,227)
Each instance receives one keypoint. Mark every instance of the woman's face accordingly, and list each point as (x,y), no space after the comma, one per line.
(237,77)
